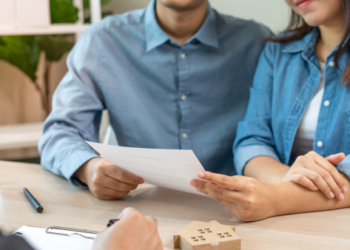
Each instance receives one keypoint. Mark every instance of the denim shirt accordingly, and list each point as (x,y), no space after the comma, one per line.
(285,82)
(159,94)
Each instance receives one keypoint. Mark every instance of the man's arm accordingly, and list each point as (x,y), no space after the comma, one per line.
(77,107)
(250,199)
(75,118)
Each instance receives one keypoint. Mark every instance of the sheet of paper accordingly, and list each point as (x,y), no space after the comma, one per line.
(40,240)
(167,168)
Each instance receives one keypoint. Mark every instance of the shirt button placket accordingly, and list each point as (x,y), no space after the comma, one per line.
(184,84)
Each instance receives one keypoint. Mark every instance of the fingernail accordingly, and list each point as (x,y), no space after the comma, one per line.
(199,190)
(331,195)
(344,189)
(193,183)
(315,188)
(142,181)
(340,196)
(201,174)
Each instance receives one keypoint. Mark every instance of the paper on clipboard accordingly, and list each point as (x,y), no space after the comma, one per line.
(166,168)
(39,239)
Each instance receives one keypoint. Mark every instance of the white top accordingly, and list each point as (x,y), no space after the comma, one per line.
(304,139)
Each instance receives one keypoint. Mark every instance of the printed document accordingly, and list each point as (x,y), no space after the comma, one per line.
(166,168)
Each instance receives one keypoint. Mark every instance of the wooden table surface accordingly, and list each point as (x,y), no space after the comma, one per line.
(68,206)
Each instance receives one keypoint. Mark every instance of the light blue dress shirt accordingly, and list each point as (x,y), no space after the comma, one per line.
(286,80)
(158,94)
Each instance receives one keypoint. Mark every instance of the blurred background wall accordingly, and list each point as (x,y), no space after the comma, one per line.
(273,13)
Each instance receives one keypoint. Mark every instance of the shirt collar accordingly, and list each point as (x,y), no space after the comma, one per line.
(306,43)
(207,33)
(155,36)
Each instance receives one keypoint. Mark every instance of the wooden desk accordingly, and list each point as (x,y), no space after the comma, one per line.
(65,205)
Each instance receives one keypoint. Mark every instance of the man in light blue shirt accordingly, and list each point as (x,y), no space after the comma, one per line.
(174,76)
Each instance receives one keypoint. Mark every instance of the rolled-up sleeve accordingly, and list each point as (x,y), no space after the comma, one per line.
(344,166)
(77,107)
(254,134)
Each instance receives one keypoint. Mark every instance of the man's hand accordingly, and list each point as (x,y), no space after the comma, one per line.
(315,172)
(132,232)
(107,181)
(246,198)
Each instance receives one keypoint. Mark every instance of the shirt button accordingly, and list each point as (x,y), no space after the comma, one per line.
(184,135)
(327,103)
(332,64)
(319,144)
(183,56)
(183,97)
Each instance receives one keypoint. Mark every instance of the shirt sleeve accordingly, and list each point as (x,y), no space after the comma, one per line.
(344,166)
(254,134)
(77,107)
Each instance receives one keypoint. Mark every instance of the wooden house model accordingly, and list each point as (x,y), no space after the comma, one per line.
(207,236)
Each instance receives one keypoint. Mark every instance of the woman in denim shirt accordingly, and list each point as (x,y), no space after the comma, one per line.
(298,116)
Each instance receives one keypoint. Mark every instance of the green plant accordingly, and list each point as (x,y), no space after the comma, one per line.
(24,51)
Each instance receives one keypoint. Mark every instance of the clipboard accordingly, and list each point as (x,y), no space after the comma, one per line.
(65,231)
(57,238)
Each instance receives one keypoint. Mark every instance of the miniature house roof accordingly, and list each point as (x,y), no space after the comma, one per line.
(207,236)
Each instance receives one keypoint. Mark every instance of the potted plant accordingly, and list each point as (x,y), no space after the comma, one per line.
(24,51)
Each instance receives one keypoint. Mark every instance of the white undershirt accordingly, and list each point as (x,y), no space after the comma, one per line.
(305,136)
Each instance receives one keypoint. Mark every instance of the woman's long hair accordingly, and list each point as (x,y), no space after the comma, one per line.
(300,28)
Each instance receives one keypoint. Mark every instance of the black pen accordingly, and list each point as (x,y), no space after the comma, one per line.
(33,201)
(112,221)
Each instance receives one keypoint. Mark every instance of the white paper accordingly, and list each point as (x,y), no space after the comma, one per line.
(40,240)
(166,168)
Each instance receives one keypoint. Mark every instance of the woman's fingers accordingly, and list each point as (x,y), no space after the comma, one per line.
(322,180)
(222,180)
(304,181)
(331,169)
(213,191)
(336,159)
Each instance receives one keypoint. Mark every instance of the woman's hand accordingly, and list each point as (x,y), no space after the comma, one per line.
(133,231)
(315,172)
(246,198)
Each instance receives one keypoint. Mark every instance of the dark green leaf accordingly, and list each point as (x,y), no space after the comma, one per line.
(63,11)
(54,46)
(21,51)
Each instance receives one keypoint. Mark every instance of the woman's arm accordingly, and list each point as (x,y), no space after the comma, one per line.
(265,169)
(250,199)
(311,171)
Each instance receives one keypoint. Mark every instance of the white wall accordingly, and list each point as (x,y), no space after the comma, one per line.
(272,13)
